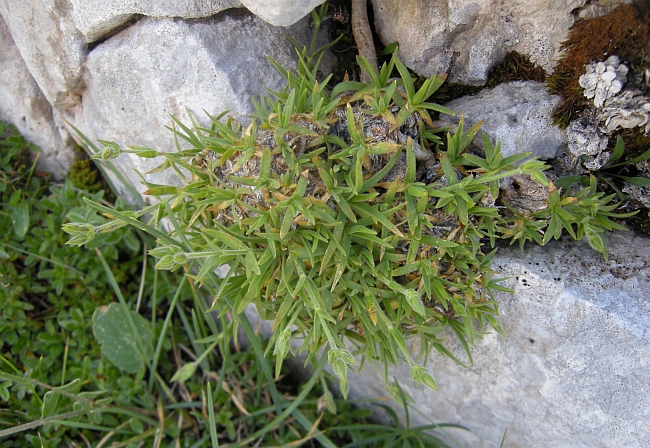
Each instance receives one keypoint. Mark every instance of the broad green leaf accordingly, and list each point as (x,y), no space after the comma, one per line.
(251,263)
(184,373)
(415,302)
(419,375)
(117,341)
(20,218)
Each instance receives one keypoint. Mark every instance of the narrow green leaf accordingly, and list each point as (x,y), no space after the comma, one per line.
(251,263)
(344,205)
(619,150)
(637,181)
(376,216)
(406,78)
(409,177)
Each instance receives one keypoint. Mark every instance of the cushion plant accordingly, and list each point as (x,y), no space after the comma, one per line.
(345,218)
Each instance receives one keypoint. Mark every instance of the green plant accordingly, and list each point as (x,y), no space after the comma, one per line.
(91,341)
(347,221)
(611,173)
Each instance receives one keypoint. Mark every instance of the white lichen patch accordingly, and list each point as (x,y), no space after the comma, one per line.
(585,138)
(603,80)
(616,108)
(628,110)
(638,193)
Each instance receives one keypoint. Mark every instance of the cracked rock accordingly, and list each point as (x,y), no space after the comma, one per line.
(516,113)
(158,67)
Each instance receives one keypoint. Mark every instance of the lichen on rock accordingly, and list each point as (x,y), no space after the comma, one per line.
(603,80)
(628,110)
(585,138)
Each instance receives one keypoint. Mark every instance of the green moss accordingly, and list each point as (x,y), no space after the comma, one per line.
(85,176)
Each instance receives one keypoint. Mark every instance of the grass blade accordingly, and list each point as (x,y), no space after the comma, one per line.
(214,439)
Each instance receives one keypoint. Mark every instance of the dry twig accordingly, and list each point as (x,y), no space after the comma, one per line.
(363,35)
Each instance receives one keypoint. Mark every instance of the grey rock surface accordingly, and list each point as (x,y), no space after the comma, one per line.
(516,113)
(158,67)
(573,371)
(23,104)
(465,38)
(51,46)
(96,18)
(281,12)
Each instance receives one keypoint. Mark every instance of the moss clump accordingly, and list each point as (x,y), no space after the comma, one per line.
(514,67)
(624,32)
(85,176)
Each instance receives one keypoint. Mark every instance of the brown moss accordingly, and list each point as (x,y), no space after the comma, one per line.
(515,67)
(624,32)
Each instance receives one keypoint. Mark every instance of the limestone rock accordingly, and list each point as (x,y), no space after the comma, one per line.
(281,12)
(574,369)
(96,18)
(466,38)
(516,113)
(51,46)
(600,8)
(23,104)
(157,67)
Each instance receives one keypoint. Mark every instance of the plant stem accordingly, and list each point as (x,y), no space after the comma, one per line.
(363,35)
